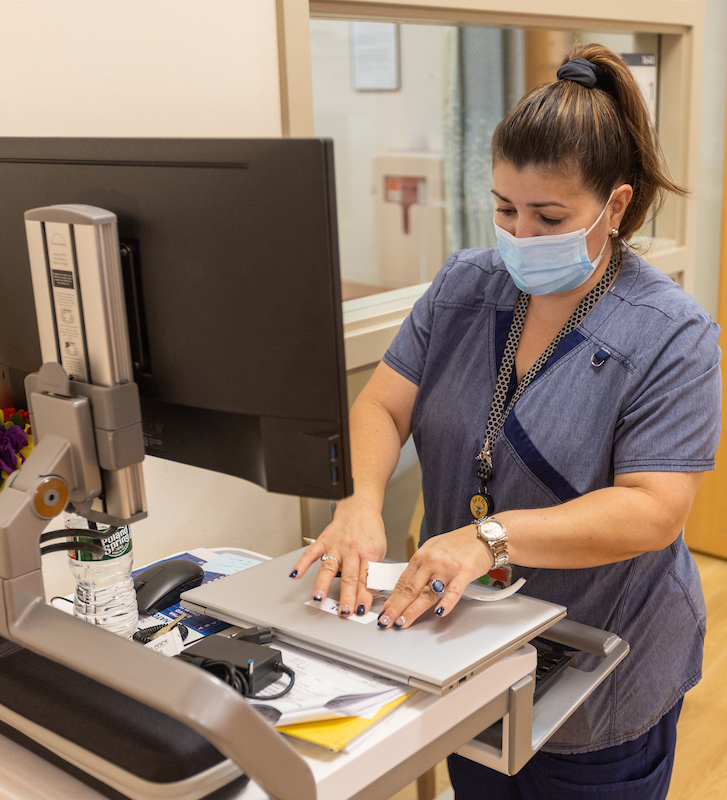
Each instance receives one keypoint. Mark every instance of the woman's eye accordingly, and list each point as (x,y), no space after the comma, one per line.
(550,221)
(505,211)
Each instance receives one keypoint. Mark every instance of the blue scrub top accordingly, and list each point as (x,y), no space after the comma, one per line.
(636,387)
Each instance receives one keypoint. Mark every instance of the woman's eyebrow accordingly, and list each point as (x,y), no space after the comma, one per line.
(530,205)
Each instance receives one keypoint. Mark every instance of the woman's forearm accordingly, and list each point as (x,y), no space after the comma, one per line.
(643,512)
(379,423)
(375,448)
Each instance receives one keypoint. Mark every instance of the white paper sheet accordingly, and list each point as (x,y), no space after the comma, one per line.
(325,689)
(383,577)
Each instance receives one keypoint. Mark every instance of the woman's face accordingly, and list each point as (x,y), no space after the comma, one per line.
(538,202)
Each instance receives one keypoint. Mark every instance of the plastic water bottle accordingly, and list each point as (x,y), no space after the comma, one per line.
(105,593)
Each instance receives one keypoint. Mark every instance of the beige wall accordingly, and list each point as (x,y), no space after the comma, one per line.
(163,68)
(83,68)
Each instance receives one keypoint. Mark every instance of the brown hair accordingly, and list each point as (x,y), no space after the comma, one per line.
(603,133)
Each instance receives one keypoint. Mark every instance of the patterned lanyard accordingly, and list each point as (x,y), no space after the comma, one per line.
(482,504)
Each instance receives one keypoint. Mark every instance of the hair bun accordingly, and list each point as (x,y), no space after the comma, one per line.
(580,71)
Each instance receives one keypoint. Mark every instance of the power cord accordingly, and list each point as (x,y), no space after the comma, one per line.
(87,533)
(238,679)
(279,667)
(255,635)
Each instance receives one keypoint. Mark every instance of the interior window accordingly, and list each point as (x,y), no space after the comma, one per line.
(411,109)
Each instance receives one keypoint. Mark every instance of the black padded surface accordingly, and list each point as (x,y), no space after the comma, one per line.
(117,728)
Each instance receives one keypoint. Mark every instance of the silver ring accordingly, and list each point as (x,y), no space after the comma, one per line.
(326,557)
(437,586)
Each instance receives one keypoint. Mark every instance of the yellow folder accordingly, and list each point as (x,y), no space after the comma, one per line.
(335,734)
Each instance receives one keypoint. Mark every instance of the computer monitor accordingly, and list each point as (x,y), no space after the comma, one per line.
(230,257)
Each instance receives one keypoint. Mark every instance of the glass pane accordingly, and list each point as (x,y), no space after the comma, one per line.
(411,109)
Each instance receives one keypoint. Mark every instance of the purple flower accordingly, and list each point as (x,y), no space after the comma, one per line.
(8,459)
(17,437)
(12,440)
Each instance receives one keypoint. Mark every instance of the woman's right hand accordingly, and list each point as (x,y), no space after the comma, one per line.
(354,538)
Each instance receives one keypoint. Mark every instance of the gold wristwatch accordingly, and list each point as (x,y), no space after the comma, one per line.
(492,532)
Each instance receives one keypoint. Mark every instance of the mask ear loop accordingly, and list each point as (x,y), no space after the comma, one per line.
(603,211)
(597,260)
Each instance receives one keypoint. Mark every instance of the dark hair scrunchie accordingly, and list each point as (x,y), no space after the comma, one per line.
(580,71)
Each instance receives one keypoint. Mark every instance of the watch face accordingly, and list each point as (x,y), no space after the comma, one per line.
(491,530)
(494,535)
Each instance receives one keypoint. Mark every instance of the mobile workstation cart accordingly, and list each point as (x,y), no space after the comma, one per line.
(146,726)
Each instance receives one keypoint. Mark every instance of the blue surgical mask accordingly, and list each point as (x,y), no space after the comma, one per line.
(549,264)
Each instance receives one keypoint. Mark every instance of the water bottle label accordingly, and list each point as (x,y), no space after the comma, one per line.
(117,545)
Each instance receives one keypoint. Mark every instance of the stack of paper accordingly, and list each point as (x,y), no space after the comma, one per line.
(330,703)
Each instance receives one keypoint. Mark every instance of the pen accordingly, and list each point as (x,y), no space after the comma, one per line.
(166,628)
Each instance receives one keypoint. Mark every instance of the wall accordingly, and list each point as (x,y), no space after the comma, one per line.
(167,69)
(79,68)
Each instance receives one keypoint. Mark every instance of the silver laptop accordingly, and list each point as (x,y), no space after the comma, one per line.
(435,654)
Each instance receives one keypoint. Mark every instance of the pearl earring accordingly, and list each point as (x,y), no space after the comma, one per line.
(614,233)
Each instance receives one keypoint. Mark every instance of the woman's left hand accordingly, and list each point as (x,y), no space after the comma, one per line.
(454,559)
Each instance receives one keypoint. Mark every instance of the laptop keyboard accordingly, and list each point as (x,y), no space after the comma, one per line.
(551,662)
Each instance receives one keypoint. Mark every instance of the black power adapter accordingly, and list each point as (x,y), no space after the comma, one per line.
(258,666)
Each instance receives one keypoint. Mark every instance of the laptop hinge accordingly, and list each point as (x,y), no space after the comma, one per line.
(432,688)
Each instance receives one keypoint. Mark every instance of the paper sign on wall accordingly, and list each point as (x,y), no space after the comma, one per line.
(644,68)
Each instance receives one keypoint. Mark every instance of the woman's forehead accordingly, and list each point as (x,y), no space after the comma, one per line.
(535,185)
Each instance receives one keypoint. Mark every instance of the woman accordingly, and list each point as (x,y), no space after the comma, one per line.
(566,386)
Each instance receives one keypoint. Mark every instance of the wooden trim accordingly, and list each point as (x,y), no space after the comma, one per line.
(370,324)
(668,16)
(706,529)
(296,72)
(544,51)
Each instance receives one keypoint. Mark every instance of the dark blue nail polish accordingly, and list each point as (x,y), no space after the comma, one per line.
(318,595)
(293,574)
(361,610)
(384,622)
(439,611)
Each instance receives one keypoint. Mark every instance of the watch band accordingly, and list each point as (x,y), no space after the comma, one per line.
(495,540)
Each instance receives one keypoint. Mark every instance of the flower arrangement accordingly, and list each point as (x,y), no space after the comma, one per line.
(16,441)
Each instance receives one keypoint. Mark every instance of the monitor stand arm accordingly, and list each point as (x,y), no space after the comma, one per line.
(31,497)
